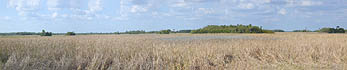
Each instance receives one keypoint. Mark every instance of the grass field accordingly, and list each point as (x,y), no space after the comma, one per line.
(279,51)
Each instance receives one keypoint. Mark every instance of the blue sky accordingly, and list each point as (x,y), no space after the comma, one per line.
(123,15)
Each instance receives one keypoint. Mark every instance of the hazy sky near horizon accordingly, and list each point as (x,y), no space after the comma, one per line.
(123,15)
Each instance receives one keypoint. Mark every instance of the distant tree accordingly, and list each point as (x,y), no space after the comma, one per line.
(268,31)
(340,30)
(152,32)
(70,34)
(255,29)
(117,33)
(44,33)
(302,30)
(26,33)
(135,32)
(333,30)
(198,31)
(278,30)
(229,29)
(327,30)
(184,31)
(165,31)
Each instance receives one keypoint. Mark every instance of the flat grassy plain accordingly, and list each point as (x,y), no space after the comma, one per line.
(279,51)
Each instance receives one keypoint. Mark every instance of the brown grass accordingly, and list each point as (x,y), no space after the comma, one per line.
(280,51)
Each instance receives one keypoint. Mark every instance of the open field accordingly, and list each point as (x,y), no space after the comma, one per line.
(279,51)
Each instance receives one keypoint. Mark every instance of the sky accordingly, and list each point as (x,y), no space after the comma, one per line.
(149,15)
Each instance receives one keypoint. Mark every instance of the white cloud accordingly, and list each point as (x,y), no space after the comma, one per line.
(54,15)
(311,3)
(95,5)
(294,3)
(91,9)
(24,5)
(246,6)
(53,5)
(137,8)
(282,11)
(206,10)
(5,18)
(179,4)
(65,8)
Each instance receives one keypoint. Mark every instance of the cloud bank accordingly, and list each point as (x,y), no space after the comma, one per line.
(181,9)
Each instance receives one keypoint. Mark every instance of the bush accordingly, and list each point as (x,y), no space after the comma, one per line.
(278,30)
(327,30)
(44,33)
(27,33)
(333,30)
(340,30)
(268,31)
(70,33)
(135,32)
(117,33)
(302,31)
(229,29)
(165,31)
(198,31)
(184,31)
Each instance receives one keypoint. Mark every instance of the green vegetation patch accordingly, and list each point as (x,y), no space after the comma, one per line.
(164,31)
(231,29)
(44,33)
(70,34)
(3,57)
(333,30)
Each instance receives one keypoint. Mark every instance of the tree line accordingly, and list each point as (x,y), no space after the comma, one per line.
(232,29)
(338,29)
(208,29)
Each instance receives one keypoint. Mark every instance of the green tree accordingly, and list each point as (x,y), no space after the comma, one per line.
(117,33)
(135,32)
(229,29)
(184,31)
(70,34)
(278,30)
(302,31)
(44,33)
(333,30)
(165,31)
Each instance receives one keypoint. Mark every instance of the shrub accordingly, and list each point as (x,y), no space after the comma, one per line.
(199,31)
(278,30)
(327,30)
(340,30)
(229,29)
(70,33)
(44,33)
(117,33)
(27,33)
(165,31)
(333,30)
(184,31)
(135,32)
(268,31)
(302,30)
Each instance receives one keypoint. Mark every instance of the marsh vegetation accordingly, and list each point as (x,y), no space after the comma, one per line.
(288,51)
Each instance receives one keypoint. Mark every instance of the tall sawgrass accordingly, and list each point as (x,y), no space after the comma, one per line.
(291,51)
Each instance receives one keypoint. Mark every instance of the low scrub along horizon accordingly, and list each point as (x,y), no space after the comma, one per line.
(279,51)
(208,29)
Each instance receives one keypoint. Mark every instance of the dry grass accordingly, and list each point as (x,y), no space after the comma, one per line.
(280,51)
